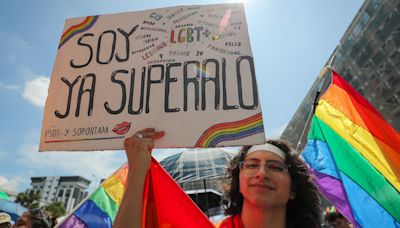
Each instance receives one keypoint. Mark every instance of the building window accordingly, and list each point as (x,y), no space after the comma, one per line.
(76,193)
(68,193)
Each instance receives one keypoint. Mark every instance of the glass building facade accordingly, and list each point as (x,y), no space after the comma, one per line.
(200,173)
(368,57)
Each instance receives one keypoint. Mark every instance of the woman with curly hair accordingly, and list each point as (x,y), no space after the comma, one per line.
(270,187)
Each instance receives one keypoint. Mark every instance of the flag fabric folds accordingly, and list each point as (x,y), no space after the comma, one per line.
(355,156)
(165,203)
(4,195)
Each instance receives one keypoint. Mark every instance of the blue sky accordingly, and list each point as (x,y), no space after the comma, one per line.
(291,41)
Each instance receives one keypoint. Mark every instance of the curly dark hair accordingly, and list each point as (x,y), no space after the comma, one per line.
(303,211)
(333,216)
(40,218)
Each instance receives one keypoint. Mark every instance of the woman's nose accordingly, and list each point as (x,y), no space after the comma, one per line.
(262,172)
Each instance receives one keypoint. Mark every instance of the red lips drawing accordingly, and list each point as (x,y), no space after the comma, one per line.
(122,128)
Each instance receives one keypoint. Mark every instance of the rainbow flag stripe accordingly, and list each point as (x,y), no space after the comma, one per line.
(355,156)
(100,209)
(165,203)
(231,131)
(76,29)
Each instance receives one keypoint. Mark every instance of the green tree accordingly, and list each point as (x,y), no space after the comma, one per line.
(29,200)
(55,209)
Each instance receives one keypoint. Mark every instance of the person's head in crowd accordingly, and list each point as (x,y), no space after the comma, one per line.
(34,218)
(5,220)
(273,177)
(335,219)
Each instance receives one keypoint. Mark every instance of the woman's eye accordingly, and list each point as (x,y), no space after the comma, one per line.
(251,165)
(277,168)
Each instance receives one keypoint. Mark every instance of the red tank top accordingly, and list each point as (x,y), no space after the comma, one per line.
(231,222)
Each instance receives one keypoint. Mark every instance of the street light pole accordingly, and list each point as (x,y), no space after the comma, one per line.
(205,193)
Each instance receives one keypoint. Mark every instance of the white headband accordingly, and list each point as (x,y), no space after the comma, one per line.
(267,147)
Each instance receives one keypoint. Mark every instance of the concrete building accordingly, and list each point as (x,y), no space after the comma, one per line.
(368,57)
(70,190)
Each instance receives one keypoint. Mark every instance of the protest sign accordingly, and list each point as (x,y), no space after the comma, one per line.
(187,70)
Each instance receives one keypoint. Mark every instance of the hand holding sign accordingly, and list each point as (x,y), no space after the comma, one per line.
(138,148)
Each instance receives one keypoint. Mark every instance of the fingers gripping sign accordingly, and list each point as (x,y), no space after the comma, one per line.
(139,146)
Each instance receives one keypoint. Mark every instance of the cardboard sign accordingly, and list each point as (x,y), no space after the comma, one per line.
(186,70)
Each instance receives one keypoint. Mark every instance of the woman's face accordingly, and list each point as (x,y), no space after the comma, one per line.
(264,180)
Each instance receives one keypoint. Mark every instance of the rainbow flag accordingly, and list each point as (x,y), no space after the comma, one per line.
(355,156)
(165,203)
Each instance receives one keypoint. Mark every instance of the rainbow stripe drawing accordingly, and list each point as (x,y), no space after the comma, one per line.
(355,156)
(76,29)
(231,131)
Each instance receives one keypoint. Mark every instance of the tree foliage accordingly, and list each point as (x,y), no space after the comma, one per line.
(29,200)
(55,209)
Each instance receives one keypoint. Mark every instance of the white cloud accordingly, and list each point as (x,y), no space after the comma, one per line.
(10,185)
(19,41)
(14,47)
(91,165)
(100,164)
(15,40)
(35,90)
(26,72)
(9,87)
(12,40)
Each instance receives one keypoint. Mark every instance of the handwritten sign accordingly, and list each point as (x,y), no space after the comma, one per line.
(186,70)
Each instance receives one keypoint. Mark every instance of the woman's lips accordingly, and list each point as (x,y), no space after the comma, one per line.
(262,186)
(122,128)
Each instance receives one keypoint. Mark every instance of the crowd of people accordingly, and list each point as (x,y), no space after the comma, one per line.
(34,218)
